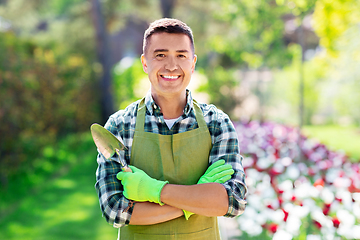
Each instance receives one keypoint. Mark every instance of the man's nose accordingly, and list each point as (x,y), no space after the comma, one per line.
(171,64)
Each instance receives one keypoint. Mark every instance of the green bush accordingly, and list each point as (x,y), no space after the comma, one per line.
(43,94)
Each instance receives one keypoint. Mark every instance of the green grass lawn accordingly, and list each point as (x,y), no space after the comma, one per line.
(346,139)
(64,207)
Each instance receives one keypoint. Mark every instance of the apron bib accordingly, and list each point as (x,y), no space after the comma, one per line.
(180,159)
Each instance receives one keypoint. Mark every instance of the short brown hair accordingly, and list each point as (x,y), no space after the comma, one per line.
(168,25)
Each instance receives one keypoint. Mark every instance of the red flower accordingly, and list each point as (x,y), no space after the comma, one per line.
(336,222)
(274,172)
(277,153)
(286,215)
(338,199)
(327,205)
(280,199)
(326,211)
(273,227)
(326,208)
(320,182)
(317,224)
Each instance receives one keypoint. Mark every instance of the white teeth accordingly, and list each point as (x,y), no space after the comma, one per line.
(171,77)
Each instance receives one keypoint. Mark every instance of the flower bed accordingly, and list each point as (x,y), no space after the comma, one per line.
(306,192)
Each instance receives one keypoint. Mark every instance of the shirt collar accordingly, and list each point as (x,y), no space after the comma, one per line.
(153,107)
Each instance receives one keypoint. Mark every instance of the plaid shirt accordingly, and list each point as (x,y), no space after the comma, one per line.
(115,207)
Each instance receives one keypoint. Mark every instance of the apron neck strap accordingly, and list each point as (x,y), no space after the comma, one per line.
(140,119)
(199,115)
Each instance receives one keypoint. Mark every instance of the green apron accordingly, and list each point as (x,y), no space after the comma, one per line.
(180,159)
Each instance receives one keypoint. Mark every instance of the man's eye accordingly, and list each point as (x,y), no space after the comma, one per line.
(160,55)
(181,56)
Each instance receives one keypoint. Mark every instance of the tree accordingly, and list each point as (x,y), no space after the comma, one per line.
(104,56)
(167,7)
(250,35)
(333,18)
(337,24)
(301,9)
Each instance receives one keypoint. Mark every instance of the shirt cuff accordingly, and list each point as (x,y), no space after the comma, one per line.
(237,204)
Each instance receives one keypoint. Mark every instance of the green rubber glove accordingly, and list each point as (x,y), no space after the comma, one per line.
(217,172)
(138,186)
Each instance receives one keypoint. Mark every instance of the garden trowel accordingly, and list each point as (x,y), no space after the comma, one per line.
(108,144)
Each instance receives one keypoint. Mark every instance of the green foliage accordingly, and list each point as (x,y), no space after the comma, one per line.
(127,75)
(333,18)
(344,76)
(285,91)
(48,68)
(43,94)
(298,8)
(251,33)
(222,87)
(248,35)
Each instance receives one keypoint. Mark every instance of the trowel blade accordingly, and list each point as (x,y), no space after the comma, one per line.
(105,141)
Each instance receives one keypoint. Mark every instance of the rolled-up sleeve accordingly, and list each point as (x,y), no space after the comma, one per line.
(236,190)
(226,146)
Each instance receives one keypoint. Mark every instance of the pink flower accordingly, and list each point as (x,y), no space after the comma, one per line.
(273,151)
(353,188)
(311,172)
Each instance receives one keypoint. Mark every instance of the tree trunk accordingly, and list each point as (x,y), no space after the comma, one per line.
(167,7)
(104,57)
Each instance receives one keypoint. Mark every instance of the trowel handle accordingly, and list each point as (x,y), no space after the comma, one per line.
(126,169)
(123,163)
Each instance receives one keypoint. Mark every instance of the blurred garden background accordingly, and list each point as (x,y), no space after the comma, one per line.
(286,71)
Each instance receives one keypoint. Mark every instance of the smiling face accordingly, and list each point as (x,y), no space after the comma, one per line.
(169,62)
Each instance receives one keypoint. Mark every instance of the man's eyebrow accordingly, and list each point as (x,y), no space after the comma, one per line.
(161,50)
(182,51)
(166,50)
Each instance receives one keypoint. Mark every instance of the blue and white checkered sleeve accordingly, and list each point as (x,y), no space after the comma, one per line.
(226,147)
(114,206)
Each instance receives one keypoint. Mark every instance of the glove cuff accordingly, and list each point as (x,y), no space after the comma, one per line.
(161,186)
(156,186)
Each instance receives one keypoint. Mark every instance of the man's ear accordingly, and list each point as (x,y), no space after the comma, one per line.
(193,64)
(143,62)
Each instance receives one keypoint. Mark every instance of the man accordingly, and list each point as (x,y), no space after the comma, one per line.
(177,150)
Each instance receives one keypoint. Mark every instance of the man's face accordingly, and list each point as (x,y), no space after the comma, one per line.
(169,63)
